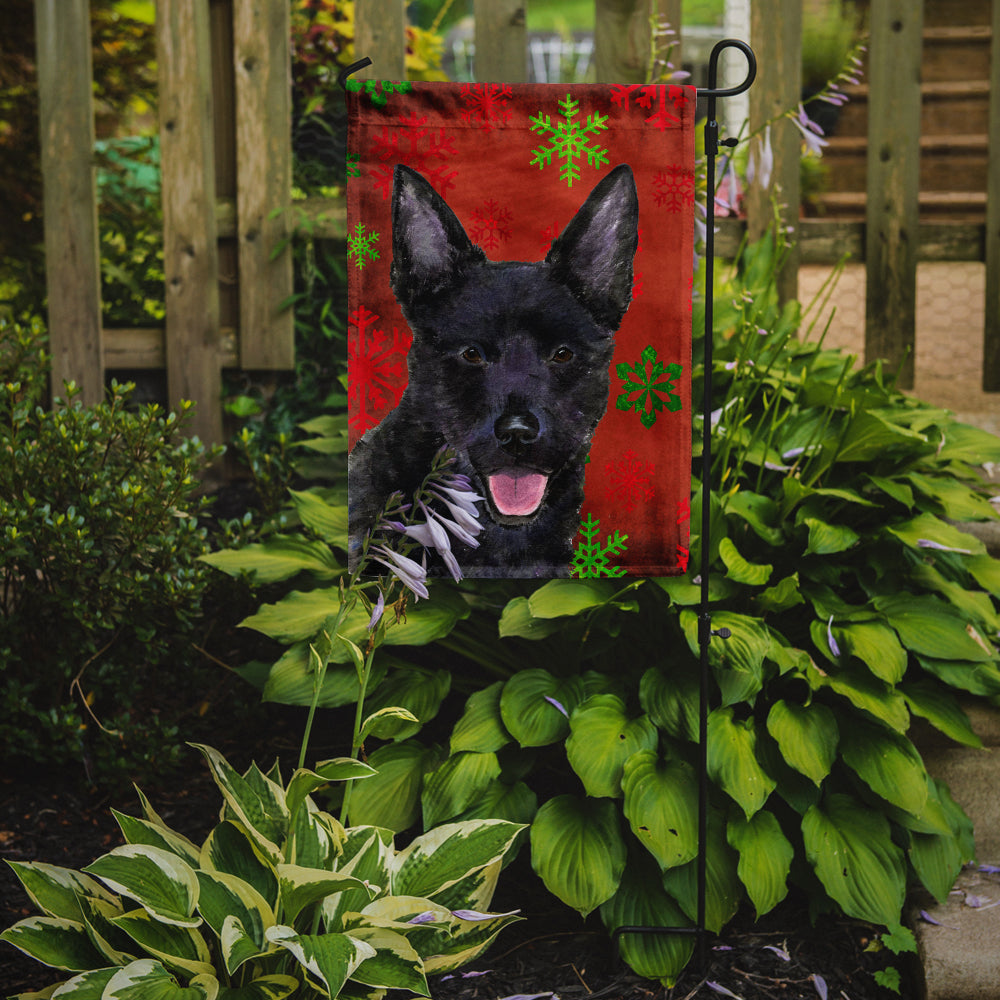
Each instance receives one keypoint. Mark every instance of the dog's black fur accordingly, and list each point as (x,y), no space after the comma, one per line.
(509,367)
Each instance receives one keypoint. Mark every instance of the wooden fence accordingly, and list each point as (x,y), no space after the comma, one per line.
(226,160)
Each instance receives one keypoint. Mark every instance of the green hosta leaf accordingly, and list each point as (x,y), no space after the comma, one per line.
(147,979)
(957,501)
(391,798)
(561,598)
(515,803)
(386,723)
(965,443)
(931,628)
(56,891)
(180,948)
(456,784)
(723,889)
(928,528)
(226,898)
(438,859)
(888,763)
(260,806)
(279,558)
(481,728)
(941,709)
(292,679)
(732,760)
(54,941)
(865,692)
(578,851)
(738,661)
(986,572)
(876,646)
(976,678)
(141,831)
(975,605)
(86,986)
(661,799)
(602,738)
(828,539)
(758,511)
(304,782)
(230,849)
(783,595)
(671,700)
(159,881)
(641,901)
(807,736)
(937,859)
(395,964)
(275,987)
(765,858)
(301,887)
(326,520)
(517,620)
(850,847)
(330,959)
(894,489)
(527,711)
(415,689)
(738,569)
(870,436)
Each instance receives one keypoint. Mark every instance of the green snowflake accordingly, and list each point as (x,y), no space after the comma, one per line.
(378,91)
(353,165)
(569,141)
(657,394)
(591,557)
(361,245)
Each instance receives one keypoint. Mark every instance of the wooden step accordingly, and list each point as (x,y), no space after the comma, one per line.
(940,13)
(958,206)
(956,53)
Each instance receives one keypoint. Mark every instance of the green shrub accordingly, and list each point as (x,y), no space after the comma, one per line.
(99,546)
(280,899)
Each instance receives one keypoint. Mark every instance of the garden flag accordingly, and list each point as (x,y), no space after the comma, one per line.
(520,273)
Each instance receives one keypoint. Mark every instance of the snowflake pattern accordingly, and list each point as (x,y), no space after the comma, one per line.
(361,245)
(376,369)
(591,557)
(378,91)
(353,165)
(649,94)
(644,379)
(486,104)
(569,140)
(630,480)
(491,225)
(673,189)
(415,145)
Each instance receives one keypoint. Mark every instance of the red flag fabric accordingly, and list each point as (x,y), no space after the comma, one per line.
(515,252)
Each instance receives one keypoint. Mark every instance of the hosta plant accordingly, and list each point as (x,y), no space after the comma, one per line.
(279,900)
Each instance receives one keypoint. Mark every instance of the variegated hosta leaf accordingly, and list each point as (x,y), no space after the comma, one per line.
(116,947)
(535,706)
(661,799)
(315,838)
(642,902)
(578,851)
(56,891)
(807,736)
(54,941)
(225,897)
(441,857)
(304,782)
(301,887)
(602,737)
(147,979)
(230,849)
(732,760)
(177,947)
(86,986)
(329,959)
(476,890)
(481,727)
(466,941)
(850,847)
(158,880)
(765,858)
(395,964)
(367,853)
(274,987)
(456,785)
(141,831)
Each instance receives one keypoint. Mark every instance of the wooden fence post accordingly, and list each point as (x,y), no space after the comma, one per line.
(262,61)
(621,40)
(72,255)
(776,35)
(991,332)
(892,215)
(190,251)
(501,41)
(380,34)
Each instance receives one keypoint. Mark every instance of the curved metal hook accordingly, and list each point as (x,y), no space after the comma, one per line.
(712,90)
(349,70)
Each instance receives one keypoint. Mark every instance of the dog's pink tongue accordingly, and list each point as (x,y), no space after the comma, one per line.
(517,494)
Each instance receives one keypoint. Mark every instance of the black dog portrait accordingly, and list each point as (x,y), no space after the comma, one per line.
(509,368)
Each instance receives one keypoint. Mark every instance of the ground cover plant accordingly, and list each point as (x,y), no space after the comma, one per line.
(854,603)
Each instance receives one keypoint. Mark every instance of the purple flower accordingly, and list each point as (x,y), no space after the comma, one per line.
(475,915)
(558,705)
(411,573)
(761,163)
(820,983)
(811,132)
(427,917)
(927,543)
(377,611)
(719,988)
(834,648)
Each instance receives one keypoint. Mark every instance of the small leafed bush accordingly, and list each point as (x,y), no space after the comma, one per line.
(99,573)
(280,899)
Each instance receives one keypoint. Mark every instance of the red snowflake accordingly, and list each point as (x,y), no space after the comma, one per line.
(490,225)
(683,556)
(548,235)
(486,104)
(673,188)
(629,480)
(649,94)
(376,369)
(415,145)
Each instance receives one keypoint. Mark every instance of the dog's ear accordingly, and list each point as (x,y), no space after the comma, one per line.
(593,254)
(430,249)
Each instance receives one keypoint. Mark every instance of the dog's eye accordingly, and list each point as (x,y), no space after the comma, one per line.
(563,355)
(473,356)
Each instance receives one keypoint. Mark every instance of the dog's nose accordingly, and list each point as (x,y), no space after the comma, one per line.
(514,430)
